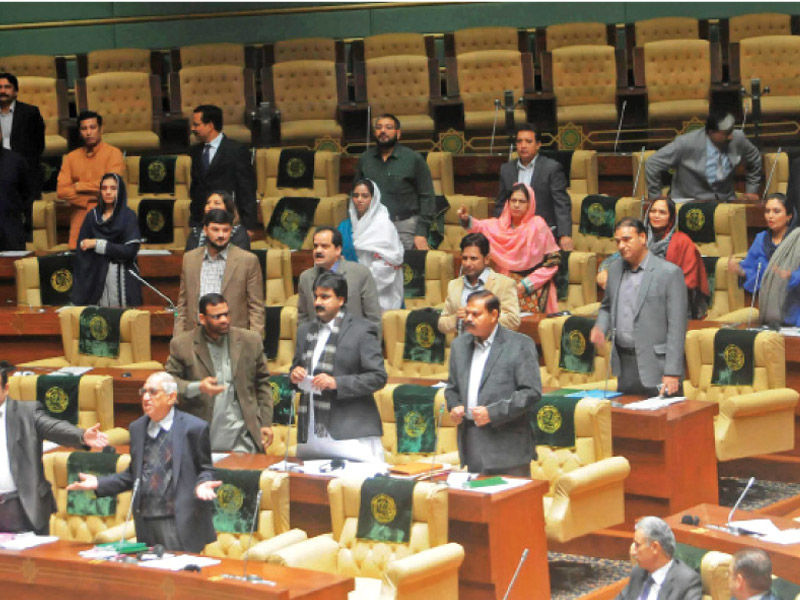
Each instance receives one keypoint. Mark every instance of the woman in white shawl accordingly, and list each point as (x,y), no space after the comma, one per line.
(371,239)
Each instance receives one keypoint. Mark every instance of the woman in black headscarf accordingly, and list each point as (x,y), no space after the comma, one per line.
(107,247)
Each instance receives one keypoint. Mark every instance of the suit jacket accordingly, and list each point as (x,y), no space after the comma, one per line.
(27,425)
(501,286)
(27,134)
(16,200)
(509,388)
(359,372)
(230,170)
(362,293)
(189,360)
(681,583)
(687,155)
(660,319)
(242,286)
(191,465)
(549,185)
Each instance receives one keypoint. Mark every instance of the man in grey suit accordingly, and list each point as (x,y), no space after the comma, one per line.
(546,177)
(645,310)
(751,575)
(657,574)
(492,387)
(26,499)
(338,366)
(362,298)
(704,161)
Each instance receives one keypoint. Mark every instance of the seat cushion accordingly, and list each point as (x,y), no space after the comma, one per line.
(677,109)
(240,133)
(311,129)
(484,119)
(55,145)
(416,124)
(587,113)
(133,141)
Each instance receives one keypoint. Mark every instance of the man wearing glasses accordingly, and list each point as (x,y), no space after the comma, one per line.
(404,179)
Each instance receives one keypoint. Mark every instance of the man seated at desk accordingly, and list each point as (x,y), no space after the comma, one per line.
(751,576)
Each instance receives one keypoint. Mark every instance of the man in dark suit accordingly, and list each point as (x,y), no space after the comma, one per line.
(16,199)
(657,575)
(220,163)
(751,575)
(338,366)
(26,498)
(493,384)
(546,177)
(171,462)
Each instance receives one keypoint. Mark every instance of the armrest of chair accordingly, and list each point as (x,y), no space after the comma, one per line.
(596,385)
(262,550)
(758,403)
(742,315)
(588,477)
(435,563)
(118,436)
(114,534)
(587,310)
(318,553)
(147,364)
(56,361)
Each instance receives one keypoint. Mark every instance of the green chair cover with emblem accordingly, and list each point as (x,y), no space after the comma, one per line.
(99,333)
(85,502)
(415,419)
(598,215)
(423,340)
(156,220)
(55,278)
(552,373)
(58,396)
(696,219)
(157,175)
(394,327)
(296,168)
(291,220)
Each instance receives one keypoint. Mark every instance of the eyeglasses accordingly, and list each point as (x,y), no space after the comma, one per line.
(151,391)
(389,127)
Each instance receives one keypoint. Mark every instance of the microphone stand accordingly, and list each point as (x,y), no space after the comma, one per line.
(244,576)
(494,125)
(771,174)
(608,361)
(121,543)
(522,560)
(436,426)
(736,530)
(636,182)
(286,466)
(170,303)
(756,289)
(619,126)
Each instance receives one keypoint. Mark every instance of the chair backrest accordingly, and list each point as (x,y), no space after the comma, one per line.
(564,35)
(728,296)
(666,28)
(641,183)
(95,397)
(399,85)
(393,325)
(115,60)
(583,173)
(439,271)
(550,339)
(305,90)
(584,75)
(626,207)
(288,339)
(742,27)
(326,175)
(484,76)
(29,65)
(780,176)
(582,284)
(202,55)
(366,558)
(222,85)
(330,211)
(592,443)
(775,60)
(769,366)
(183,179)
(44,225)
(730,227)
(453,231)
(278,280)
(44,92)
(273,518)
(480,39)
(394,44)
(715,569)
(124,99)
(76,527)
(677,70)
(134,344)
(441,168)
(180,220)
(315,48)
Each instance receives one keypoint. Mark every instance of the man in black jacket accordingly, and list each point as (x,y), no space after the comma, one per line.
(16,197)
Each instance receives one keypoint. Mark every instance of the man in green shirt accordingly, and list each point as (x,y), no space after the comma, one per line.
(404,179)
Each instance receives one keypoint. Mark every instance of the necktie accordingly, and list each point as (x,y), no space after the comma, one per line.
(646,588)
(206,156)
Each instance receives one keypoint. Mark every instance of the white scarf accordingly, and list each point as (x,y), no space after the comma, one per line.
(375,232)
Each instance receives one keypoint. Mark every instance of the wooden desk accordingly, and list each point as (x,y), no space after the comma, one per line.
(493,528)
(785,559)
(56,571)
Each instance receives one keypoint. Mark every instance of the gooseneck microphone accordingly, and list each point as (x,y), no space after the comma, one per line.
(735,506)
(170,303)
(121,543)
(522,560)
(437,425)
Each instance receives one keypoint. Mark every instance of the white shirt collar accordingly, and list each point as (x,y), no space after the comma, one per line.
(11,108)
(153,427)
(489,341)
(216,141)
(659,575)
(329,324)
(482,278)
(527,167)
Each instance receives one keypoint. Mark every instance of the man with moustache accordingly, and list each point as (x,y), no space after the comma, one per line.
(492,387)
(16,198)
(222,268)
(362,297)
(338,366)
(404,179)
(81,171)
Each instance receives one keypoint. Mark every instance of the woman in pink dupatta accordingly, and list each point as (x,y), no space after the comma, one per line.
(522,247)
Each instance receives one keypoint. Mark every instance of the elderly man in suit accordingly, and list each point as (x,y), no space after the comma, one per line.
(171,462)
(338,366)
(657,575)
(493,385)
(26,499)
(220,163)
(546,177)
(223,379)
(704,161)
(222,268)
(644,309)
(751,575)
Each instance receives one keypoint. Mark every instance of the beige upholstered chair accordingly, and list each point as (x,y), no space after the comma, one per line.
(730,227)
(715,569)
(180,222)
(641,184)
(44,227)
(117,60)
(552,376)
(278,281)
(446,446)
(134,345)
(585,84)
(626,207)
(394,44)
(129,102)
(482,78)
(394,341)
(280,433)
(326,175)
(95,402)
(30,65)
(50,95)
(728,305)
(273,530)
(230,87)
(779,172)
(288,339)
(439,270)
(775,60)
(742,27)
(582,289)
(425,567)
(564,35)
(666,28)
(78,528)
(183,179)
(752,420)
(453,231)
(305,49)
(480,39)
(27,278)
(441,167)
(216,54)
(330,211)
(586,483)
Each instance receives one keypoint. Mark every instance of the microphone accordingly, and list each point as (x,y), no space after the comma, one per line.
(369,122)
(494,125)
(244,576)
(619,126)
(638,176)
(121,543)
(608,361)
(522,560)
(771,174)
(171,304)
(436,426)
(756,289)
(286,466)
(736,530)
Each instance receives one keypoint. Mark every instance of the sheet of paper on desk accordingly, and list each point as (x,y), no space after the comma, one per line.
(510,484)
(153,252)
(439,384)
(25,541)
(654,403)
(14,253)
(47,446)
(757,526)
(218,456)
(178,563)
(791,331)
(785,537)
(76,371)
(350,468)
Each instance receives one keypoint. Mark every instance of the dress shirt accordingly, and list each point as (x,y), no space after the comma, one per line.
(6,123)
(213,146)
(322,339)
(718,165)
(154,427)
(7,483)
(212,272)
(626,305)
(480,284)
(659,575)
(525,173)
(480,354)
